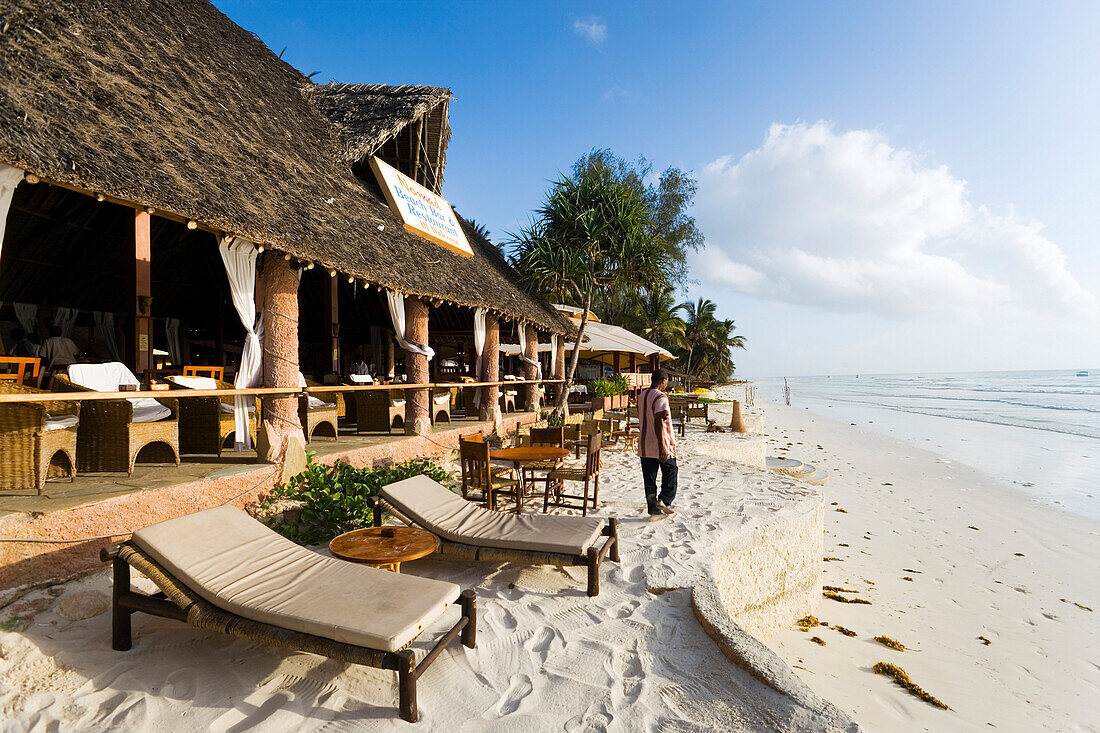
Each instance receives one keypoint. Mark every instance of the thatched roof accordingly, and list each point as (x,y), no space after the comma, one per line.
(169,104)
(367,115)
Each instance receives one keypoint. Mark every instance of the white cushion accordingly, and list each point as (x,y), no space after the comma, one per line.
(442,399)
(317,402)
(361,378)
(194,382)
(441,511)
(147,409)
(241,566)
(397,403)
(229,408)
(61,422)
(511,392)
(102,377)
(107,378)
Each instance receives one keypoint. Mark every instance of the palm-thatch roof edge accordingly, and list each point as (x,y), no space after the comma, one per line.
(168,104)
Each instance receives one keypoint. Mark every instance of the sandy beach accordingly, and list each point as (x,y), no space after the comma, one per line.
(993,594)
(990,593)
(548,658)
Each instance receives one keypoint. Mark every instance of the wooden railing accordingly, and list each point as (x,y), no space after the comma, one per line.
(253,391)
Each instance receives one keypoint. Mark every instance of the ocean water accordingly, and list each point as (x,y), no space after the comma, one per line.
(1037,431)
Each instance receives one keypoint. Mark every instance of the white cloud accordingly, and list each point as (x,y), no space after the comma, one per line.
(845,222)
(592,30)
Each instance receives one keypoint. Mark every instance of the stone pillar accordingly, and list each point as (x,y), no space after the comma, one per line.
(418,413)
(490,371)
(530,371)
(559,367)
(280,438)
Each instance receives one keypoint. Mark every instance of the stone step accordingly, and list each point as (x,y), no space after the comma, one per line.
(788,466)
(814,475)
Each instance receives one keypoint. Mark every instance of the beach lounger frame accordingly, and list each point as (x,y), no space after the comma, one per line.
(592,558)
(179,602)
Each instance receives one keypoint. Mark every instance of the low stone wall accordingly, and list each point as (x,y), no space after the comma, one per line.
(744,448)
(761,578)
(768,576)
(31,563)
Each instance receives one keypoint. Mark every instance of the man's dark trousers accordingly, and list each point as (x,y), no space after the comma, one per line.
(668,482)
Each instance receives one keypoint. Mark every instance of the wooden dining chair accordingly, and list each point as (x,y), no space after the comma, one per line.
(20,369)
(196,370)
(538,471)
(589,475)
(481,482)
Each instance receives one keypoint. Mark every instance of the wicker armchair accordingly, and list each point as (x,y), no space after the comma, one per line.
(32,435)
(378,410)
(207,422)
(441,405)
(315,412)
(108,439)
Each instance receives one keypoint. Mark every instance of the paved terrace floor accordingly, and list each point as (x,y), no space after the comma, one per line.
(62,494)
(60,532)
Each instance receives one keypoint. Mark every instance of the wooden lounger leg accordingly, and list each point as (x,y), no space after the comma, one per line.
(593,572)
(468,601)
(121,632)
(613,531)
(406,684)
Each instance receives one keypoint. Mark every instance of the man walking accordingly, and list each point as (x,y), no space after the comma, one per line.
(657,446)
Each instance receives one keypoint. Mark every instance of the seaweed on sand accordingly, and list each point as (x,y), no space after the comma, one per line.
(901,677)
(892,643)
(817,640)
(833,595)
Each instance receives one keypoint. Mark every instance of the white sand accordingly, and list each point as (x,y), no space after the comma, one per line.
(548,657)
(956,533)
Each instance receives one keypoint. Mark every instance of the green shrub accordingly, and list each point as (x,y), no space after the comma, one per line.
(599,388)
(334,499)
(618,384)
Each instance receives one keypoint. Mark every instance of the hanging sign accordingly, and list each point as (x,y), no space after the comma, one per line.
(424,213)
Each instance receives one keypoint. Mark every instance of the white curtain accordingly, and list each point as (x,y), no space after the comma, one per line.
(27,315)
(65,318)
(523,350)
(9,179)
(240,268)
(479,347)
(397,315)
(553,355)
(105,333)
(172,330)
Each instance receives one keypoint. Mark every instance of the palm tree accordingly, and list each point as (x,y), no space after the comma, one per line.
(715,357)
(697,327)
(589,236)
(655,316)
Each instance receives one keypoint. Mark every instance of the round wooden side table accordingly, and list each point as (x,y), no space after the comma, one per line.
(384,547)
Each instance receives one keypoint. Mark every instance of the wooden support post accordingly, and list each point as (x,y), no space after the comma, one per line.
(121,634)
(418,415)
(633,362)
(654,362)
(490,371)
(332,322)
(281,425)
(143,293)
(618,362)
(559,367)
(468,601)
(530,371)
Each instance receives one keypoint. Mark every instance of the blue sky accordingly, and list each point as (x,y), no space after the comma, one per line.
(884,187)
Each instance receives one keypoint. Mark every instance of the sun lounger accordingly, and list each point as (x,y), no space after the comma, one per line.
(468,531)
(221,570)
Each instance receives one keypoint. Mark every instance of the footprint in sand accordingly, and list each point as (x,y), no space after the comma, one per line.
(539,643)
(500,618)
(519,687)
(596,718)
(624,610)
(627,667)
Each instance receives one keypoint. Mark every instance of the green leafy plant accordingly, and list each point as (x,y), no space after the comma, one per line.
(324,501)
(599,388)
(552,417)
(618,384)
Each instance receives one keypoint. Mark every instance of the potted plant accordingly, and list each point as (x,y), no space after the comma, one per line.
(600,392)
(618,387)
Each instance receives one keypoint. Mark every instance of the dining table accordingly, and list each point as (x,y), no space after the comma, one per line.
(521,457)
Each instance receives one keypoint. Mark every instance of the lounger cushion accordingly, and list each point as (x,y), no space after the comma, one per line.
(194,382)
(441,511)
(241,566)
(60,422)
